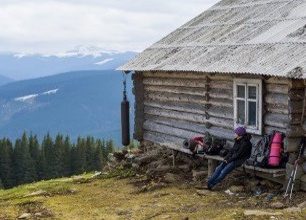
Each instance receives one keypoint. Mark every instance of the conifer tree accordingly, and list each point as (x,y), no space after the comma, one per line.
(50,158)
(66,157)
(90,153)
(42,164)
(6,163)
(24,168)
(58,149)
(34,150)
(109,147)
(102,144)
(98,158)
(79,156)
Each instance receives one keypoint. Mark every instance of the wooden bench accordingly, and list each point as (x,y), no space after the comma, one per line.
(275,175)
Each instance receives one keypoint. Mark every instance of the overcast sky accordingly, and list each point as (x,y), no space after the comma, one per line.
(54,26)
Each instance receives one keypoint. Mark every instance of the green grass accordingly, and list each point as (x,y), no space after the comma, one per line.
(114,197)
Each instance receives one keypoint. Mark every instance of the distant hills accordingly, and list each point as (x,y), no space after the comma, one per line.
(27,66)
(4,80)
(74,103)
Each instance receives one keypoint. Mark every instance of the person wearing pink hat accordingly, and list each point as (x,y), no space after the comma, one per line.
(239,153)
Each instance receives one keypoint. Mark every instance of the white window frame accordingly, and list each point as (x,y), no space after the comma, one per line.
(246,83)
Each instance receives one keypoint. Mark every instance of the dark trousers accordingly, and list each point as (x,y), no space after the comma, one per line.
(220,173)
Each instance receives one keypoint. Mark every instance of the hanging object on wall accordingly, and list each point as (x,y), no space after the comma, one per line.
(125,115)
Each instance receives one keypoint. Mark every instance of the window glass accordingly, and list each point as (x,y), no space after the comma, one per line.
(252,114)
(240,112)
(241,91)
(252,90)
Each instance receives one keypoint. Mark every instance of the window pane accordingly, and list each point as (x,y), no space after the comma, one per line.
(252,92)
(252,115)
(240,112)
(241,91)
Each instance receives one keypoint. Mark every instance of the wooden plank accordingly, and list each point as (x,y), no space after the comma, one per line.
(276,108)
(296,83)
(191,117)
(295,118)
(211,165)
(277,88)
(281,180)
(265,170)
(171,142)
(270,129)
(164,129)
(214,93)
(187,75)
(170,97)
(276,120)
(139,105)
(294,131)
(215,111)
(278,99)
(277,80)
(195,128)
(295,107)
(199,83)
(296,94)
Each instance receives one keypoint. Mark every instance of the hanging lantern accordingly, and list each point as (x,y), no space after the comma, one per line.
(125,116)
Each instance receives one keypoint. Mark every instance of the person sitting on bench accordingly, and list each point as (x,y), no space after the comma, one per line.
(240,152)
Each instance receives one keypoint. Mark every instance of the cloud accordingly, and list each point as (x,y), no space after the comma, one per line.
(53,26)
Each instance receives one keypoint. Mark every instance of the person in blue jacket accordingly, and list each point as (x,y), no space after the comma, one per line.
(240,152)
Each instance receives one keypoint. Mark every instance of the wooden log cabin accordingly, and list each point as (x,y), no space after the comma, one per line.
(241,62)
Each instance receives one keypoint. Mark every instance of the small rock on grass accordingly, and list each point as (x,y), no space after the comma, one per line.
(261,213)
(122,212)
(236,189)
(302,205)
(293,209)
(203,192)
(184,168)
(25,216)
(199,174)
(171,178)
(277,205)
(37,193)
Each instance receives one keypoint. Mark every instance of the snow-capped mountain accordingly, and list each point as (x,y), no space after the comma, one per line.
(26,66)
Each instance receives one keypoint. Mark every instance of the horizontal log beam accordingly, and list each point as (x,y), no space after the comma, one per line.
(276,120)
(188,75)
(214,93)
(191,126)
(277,88)
(165,96)
(215,111)
(196,83)
(279,99)
(191,117)
(277,80)
(168,141)
(276,108)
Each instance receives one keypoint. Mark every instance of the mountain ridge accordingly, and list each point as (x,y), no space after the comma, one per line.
(4,80)
(72,103)
(27,66)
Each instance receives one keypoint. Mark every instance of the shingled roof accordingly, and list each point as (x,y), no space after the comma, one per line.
(266,37)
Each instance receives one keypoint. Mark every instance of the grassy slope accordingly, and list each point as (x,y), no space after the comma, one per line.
(112,198)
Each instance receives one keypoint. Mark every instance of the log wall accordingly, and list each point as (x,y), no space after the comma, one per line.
(172,106)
